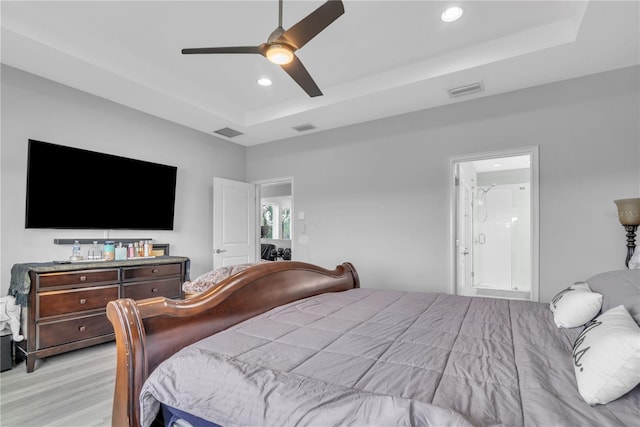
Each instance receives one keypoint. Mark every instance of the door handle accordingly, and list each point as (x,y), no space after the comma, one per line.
(465,253)
(219,251)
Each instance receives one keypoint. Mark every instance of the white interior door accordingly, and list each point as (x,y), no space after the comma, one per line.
(234,222)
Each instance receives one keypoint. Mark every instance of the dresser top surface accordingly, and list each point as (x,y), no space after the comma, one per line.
(48,267)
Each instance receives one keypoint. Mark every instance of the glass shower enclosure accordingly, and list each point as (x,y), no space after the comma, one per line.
(501,242)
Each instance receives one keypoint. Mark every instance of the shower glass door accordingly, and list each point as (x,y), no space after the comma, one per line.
(497,241)
(502,244)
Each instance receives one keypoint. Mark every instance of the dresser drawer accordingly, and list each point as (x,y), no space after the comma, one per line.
(170,288)
(74,278)
(63,332)
(150,272)
(55,303)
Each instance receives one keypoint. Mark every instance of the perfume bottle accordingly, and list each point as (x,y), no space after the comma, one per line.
(95,252)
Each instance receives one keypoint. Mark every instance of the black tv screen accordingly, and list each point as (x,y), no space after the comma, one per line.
(81,189)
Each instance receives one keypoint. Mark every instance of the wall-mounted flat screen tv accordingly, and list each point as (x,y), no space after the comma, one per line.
(74,188)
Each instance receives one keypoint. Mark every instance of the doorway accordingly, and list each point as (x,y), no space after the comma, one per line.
(275,219)
(495,224)
(252,221)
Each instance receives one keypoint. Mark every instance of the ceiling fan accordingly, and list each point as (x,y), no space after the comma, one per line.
(281,44)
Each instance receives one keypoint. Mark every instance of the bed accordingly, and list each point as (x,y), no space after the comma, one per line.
(290,343)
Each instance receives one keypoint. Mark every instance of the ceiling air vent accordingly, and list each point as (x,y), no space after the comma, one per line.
(303,128)
(465,90)
(228,132)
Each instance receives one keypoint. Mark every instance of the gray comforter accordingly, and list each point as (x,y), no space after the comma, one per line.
(385,358)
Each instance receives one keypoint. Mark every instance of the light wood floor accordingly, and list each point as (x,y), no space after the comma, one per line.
(74,389)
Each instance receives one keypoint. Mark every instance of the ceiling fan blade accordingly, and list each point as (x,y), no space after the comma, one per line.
(300,74)
(314,23)
(234,49)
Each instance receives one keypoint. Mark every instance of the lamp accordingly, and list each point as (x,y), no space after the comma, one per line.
(279,54)
(629,216)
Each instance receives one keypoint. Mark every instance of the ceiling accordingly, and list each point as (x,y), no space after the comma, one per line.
(502,164)
(379,59)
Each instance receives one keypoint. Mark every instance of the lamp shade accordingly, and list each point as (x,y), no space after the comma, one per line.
(628,211)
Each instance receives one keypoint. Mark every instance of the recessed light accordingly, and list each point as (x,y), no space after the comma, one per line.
(497,165)
(451,14)
(264,82)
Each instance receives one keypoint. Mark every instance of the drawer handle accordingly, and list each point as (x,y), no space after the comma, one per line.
(155,270)
(82,328)
(154,290)
(83,301)
(83,278)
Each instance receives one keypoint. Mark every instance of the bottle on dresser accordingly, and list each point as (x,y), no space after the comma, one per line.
(109,250)
(121,252)
(75,251)
(130,251)
(95,252)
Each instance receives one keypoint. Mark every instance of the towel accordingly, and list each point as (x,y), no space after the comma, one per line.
(20,284)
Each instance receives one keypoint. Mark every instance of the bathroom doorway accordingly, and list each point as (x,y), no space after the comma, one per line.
(275,219)
(495,224)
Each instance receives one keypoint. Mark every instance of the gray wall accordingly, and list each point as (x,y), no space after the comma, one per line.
(37,108)
(377,193)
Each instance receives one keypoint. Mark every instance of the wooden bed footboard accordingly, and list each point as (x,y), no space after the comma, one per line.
(149,331)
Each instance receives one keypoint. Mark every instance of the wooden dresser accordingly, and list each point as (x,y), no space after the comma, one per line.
(67,302)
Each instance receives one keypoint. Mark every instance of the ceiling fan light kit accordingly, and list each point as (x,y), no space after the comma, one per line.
(281,44)
(279,54)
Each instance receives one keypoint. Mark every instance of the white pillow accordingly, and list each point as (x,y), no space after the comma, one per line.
(606,357)
(575,306)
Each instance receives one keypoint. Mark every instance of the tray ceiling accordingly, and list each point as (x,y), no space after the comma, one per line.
(379,59)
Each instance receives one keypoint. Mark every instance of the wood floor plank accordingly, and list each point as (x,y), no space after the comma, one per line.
(74,389)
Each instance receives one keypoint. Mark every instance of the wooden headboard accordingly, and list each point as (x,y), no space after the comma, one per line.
(151,330)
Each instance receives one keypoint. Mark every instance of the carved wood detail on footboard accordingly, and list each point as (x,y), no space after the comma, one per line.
(149,331)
